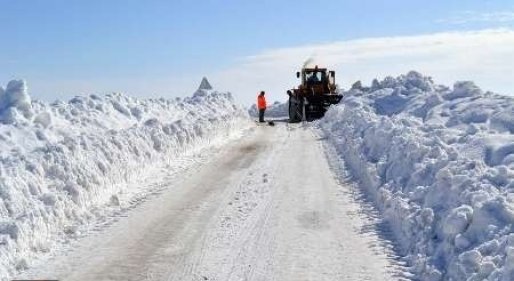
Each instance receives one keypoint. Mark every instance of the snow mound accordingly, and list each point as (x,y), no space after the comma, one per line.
(66,164)
(439,163)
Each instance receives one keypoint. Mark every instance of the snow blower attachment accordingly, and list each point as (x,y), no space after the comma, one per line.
(315,94)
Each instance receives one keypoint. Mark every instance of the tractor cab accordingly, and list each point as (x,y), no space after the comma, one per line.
(316,76)
(318,80)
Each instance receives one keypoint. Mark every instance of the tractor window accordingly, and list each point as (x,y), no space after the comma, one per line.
(323,76)
(315,77)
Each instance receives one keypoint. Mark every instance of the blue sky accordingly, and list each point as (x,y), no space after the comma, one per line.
(163,48)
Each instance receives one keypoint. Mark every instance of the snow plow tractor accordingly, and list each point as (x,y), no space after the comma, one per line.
(315,94)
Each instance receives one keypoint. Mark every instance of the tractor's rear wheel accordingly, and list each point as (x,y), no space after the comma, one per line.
(295,110)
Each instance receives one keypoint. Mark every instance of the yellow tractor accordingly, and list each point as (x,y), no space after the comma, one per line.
(315,94)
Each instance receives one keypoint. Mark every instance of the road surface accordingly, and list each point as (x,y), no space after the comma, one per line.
(267,207)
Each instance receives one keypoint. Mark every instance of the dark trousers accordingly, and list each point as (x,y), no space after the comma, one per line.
(261,115)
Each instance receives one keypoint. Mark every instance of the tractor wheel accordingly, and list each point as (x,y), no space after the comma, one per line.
(295,110)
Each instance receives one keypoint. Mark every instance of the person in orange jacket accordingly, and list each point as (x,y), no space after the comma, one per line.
(261,105)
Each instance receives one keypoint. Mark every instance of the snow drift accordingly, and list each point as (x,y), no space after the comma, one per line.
(65,164)
(439,163)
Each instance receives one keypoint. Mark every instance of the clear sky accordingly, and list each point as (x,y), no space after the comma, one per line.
(163,48)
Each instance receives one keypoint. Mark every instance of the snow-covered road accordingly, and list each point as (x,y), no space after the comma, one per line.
(267,207)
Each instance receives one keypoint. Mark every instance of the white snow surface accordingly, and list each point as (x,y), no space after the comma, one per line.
(439,164)
(66,164)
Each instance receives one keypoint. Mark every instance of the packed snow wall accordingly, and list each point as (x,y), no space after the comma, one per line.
(65,164)
(439,164)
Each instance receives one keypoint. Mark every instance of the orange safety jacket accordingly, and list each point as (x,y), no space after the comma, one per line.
(261,102)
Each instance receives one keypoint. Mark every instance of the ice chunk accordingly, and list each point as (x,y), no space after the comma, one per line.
(497,151)
(44,119)
(463,89)
(458,220)
(15,102)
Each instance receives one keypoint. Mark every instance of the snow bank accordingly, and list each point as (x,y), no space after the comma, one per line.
(65,164)
(275,110)
(439,163)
